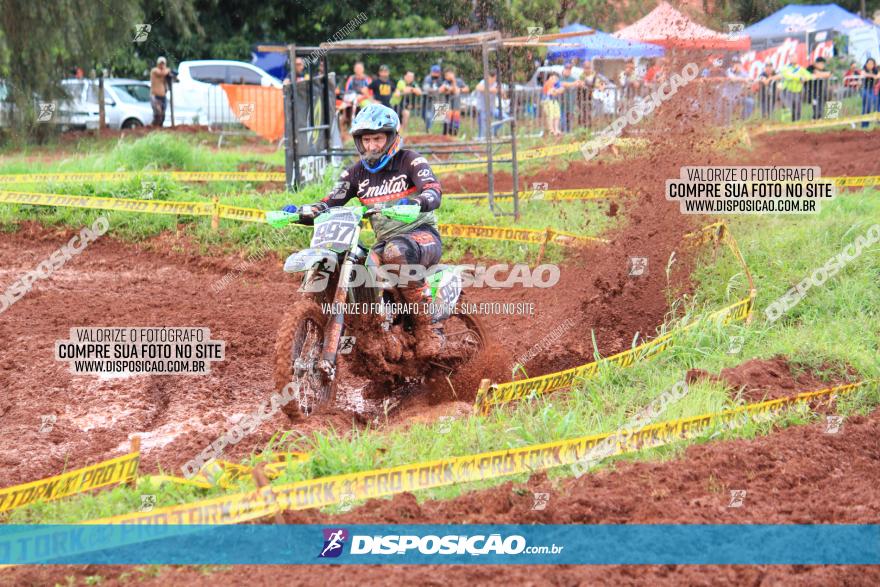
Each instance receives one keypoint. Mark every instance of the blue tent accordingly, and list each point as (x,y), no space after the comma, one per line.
(271,58)
(796,19)
(600,45)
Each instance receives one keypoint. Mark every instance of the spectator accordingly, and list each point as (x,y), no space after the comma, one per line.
(300,67)
(851,78)
(711,88)
(430,90)
(484,121)
(713,67)
(158,88)
(405,98)
(590,80)
(550,103)
(382,87)
(738,87)
(766,87)
(356,93)
(629,81)
(817,87)
(793,78)
(870,74)
(656,74)
(452,88)
(570,85)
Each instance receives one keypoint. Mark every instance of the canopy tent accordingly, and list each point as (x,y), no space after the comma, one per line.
(599,45)
(795,20)
(798,20)
(668,27)
(271,58)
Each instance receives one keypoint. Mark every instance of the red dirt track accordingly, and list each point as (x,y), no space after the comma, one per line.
(798,475)
(116,284)
(793,474)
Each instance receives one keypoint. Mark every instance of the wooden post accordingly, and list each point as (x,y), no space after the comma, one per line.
(262,483)
(215,214)
(548,234)
(102,118)
(481,395)
(135,447)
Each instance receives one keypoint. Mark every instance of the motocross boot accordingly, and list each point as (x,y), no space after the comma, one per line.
(430,341)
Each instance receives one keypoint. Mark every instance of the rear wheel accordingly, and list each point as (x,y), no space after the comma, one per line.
(132,123)
(298,350)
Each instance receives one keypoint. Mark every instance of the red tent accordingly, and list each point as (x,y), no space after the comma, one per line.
(668,27)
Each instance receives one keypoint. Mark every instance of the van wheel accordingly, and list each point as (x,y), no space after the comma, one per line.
(132,123)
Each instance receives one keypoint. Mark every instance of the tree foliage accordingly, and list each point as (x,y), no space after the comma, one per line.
(41,42)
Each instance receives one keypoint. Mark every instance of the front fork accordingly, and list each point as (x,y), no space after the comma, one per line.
(333,332)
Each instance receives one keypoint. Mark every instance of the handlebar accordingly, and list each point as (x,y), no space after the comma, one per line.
(405,213)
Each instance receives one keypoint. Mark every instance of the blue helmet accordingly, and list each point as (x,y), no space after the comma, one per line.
(372,119)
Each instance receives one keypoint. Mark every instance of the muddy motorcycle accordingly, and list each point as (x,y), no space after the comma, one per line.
(312,337)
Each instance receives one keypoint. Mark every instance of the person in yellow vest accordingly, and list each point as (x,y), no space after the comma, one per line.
(793,78)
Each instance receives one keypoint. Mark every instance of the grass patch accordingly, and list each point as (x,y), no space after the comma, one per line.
(835,326)
(161,151)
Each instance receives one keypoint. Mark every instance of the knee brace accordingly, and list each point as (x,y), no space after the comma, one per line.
(405,255)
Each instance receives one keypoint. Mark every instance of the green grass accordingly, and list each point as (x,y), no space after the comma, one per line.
(160,151)
(834,329)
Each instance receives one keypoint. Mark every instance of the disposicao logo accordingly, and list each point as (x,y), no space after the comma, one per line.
(334,540)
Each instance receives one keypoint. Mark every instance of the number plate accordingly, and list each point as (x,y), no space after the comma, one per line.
(336,234)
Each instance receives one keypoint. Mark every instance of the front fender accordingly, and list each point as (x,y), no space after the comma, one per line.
(307,258)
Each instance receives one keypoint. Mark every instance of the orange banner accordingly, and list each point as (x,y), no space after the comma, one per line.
(258,108)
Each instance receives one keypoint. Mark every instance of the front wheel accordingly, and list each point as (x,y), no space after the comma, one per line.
(298,350)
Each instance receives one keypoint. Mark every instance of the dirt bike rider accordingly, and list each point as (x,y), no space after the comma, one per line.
(387,175)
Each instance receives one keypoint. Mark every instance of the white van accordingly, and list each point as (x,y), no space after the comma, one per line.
(198,86)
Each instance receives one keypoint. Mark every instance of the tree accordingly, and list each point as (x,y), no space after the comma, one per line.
(41,42)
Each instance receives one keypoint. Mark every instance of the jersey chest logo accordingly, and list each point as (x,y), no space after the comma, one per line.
(392,185)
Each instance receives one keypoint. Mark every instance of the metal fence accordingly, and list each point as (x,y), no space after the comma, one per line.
(721,101)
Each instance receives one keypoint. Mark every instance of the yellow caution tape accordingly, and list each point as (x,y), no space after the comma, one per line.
(503,393)
(120,204)
(325,491)
(858,181)
(709,233)
(256,215)
(124,175)
(526,235)
(607,193)
(547,195)
(228,176)
(537,153)
(242,214)
(42,177)
(117,470)
(720,232)
(226,474)
(767,128)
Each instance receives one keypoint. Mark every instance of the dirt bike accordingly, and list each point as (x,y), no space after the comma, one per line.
(308,345)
